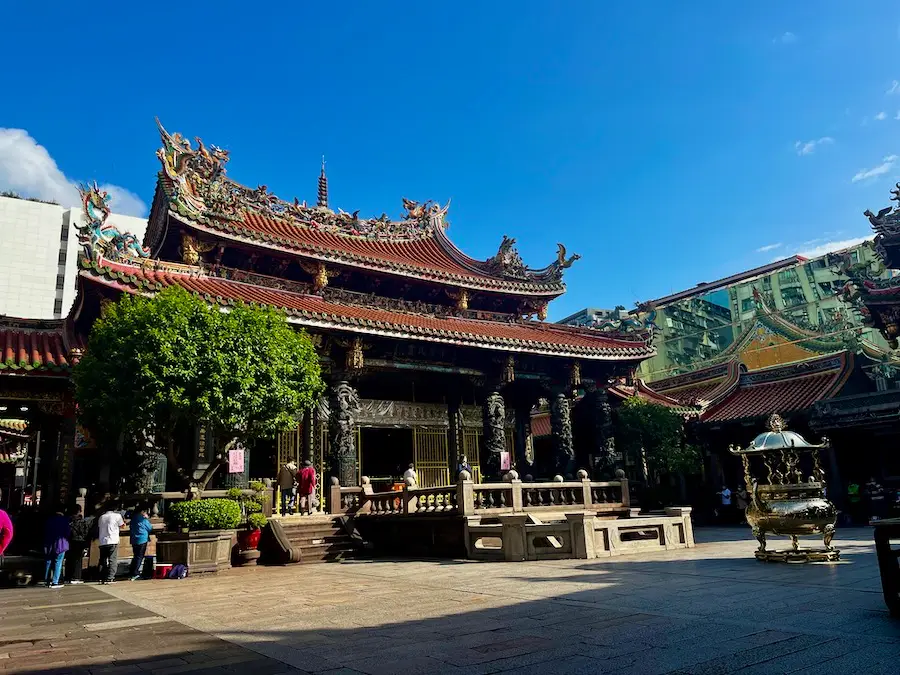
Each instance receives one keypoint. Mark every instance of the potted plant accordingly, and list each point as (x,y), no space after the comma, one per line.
(253,518)
(201,534)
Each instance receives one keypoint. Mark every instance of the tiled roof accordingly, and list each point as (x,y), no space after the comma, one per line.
(429,258)
(314,311)
(783,389)
(642,390)
(33,346)
(704,386)
(540,424)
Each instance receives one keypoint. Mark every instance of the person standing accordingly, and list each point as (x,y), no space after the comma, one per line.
(79,540)
(306,478)
(287,476)
(463,465)
(741,500)
(108,526)
(6,533)
(141,528)
(725,508)
(56,543)
(410,477)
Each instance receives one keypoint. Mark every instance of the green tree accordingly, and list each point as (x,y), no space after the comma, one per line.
(156,365)
(652,432)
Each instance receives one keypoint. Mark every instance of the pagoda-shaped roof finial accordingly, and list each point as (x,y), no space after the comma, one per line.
(322,201)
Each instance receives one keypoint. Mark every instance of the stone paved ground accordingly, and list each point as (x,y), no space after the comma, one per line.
(713,609)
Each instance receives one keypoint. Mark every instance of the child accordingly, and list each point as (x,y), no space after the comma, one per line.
(141,527)
(56,543)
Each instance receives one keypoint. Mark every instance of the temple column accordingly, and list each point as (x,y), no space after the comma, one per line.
(561,428)
(523,440)
(494,437)
(344,406)
(603,441)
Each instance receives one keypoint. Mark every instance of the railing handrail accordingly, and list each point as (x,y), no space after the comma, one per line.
(516,497)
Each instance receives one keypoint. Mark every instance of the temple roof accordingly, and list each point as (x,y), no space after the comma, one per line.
(783,389)
(196,191)
(34,347)
(314,311)
(700,387)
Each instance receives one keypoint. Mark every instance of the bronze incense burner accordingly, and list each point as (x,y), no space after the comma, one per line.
(787,504)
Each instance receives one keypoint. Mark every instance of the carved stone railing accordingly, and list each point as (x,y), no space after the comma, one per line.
(467,498)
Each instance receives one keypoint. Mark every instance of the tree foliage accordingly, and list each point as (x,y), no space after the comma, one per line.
(646,429)
(154,365)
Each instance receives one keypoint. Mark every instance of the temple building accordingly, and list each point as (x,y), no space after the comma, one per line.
(429,354)
(781,338)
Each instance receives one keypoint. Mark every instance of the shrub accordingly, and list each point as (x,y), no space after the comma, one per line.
(205,514)
(256,521)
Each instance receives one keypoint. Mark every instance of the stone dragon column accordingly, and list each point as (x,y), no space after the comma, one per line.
(603,441)
(561,428)
(344,407)
(494,438)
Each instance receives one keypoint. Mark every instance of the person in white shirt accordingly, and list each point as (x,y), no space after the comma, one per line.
(108,524)
(725,509)
(410,474)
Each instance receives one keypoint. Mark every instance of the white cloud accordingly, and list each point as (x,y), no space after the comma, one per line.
(786,38)
(831,246)
(769,247)
(27,168)
(881,116)
(886,165)
(809,147)
(894,88)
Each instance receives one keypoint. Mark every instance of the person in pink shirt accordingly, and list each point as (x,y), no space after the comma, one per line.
(306,477)
(6,531)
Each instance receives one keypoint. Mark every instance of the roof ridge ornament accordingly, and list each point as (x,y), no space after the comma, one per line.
(99,238)
(776,423)
(322,196)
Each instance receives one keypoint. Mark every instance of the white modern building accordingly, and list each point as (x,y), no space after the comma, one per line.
(39,256)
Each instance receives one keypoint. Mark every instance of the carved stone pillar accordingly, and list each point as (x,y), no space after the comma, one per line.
(561,428)
(524,440)
(603,441)
(494,439)
(344,406)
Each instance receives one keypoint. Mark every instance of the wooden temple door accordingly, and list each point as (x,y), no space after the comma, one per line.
(431,456)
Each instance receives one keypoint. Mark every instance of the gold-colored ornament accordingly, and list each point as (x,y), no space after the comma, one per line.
(320,274)
(542,312)
(787,505)
(192,248)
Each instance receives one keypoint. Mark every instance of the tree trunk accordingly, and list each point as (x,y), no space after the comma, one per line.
(222,458)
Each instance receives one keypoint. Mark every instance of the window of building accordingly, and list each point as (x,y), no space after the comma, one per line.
(788,276)
(748,305)
(767,283)
(60,282)
(854,256)
(57,306)
(62,257)
(64,234)
(818,264)
(792,297)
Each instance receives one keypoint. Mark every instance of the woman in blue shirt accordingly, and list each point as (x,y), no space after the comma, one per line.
(141,527)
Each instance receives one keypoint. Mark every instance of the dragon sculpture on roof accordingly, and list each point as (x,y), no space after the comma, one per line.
(200,189)
(98,237)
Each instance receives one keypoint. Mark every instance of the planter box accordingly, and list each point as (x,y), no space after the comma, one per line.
(202,551)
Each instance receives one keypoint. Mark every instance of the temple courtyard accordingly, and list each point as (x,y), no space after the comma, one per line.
(711,609)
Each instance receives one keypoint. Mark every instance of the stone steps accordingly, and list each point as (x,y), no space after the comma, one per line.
(321,539)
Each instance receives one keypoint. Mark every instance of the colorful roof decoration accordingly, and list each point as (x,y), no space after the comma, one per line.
(783,389)
(34,347)
(194,188)
(315,311)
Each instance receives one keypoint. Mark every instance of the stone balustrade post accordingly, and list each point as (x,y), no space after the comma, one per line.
(334,500)
(465,497)
(581,534)
(512,533)
(410,500)
(587,495)
(626,494)
(518,503)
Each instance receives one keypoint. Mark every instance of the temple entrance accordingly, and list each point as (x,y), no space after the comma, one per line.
(431,456)
(384,455)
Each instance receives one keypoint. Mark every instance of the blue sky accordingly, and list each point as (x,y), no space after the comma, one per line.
(667,143)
